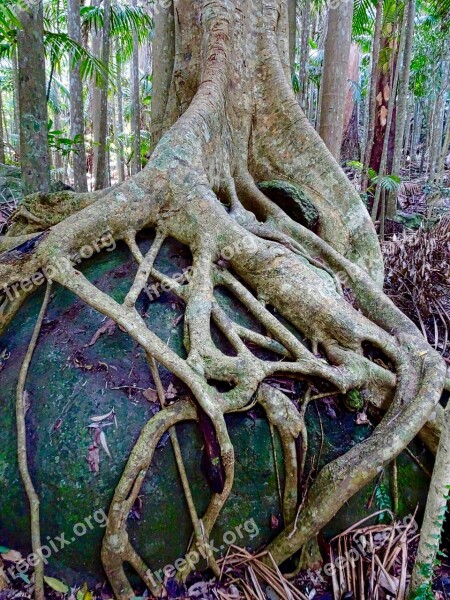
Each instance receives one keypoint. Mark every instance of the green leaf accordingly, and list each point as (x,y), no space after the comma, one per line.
(56,585)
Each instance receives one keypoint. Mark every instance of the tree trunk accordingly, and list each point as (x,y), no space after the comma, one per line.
(2,133)
(390,96)
(34,150)
(292,17)
(402,103)
(15,75)
(241,125)
(135,103)
(350,141)
(436,136)
(304,52)
(76,101)
(372,103)
(334,78)
(119,126)
(101,167)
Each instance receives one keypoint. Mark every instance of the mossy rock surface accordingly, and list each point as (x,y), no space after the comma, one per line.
(292,200)
(72,379)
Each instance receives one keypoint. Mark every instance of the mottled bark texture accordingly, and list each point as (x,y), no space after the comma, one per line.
(34,151)
(334,79)
(101,164)
(227,120)
(76,101)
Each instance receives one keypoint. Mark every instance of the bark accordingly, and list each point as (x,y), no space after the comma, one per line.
(101,167)
(76,101)
(34,150)
(15,71)
(402,103)
(304,51)
(372,105)
(135,104)
(438,116)
(240,124)
(384,166)
(350,141)
(292,17)
(334,78)
(2,133)
(435,511)
(119,125)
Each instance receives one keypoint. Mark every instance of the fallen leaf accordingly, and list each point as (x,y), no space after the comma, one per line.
(102,438)
(362,419)
(12,556)
(102,417)
(151,395)
(274,522)
(94,458)
(56,585)
(171,392)
(108,327)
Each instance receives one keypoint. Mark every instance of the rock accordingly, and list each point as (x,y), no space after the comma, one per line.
(74,377)
(292,200)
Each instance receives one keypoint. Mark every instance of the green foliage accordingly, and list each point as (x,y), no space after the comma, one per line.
(383,502)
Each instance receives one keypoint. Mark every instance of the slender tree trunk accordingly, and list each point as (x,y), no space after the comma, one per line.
(101,171)
(96,44)
(292,17)
(15,74)
(402,102)
(389,118)
(444,152)
(120,127)
(163,56)
(2,139)
(372,106)
(76,101)
(34,150)
(350,138)
(304,52)
(438,117)
(135,104)
(334,79)
(57,158)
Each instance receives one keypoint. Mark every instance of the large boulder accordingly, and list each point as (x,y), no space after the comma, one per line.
(76,375)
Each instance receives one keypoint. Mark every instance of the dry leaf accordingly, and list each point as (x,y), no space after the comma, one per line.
(12,556)
(171,392)
(102,417)
(108,327)
(102,438)
(94,458)
(151,395)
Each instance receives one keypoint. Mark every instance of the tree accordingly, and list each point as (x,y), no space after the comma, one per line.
(225,68)
(34,150)
(101,166)
(334,79)
(135,102)
(76,100)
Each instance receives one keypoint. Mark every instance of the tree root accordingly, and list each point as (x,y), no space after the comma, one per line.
(22,453)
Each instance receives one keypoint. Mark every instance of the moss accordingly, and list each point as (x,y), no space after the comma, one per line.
(354,400)
(293,201)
